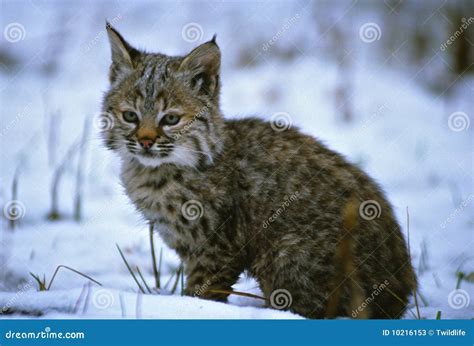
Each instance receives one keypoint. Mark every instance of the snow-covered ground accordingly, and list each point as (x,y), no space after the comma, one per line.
(415,143)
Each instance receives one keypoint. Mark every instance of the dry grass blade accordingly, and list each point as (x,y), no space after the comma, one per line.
(182,282)
(169,281)
(80,173)
(423,299)
(156,272)
(178,273)
(79,299)
(87,299)
(143,280)
(43,286)
(159,267)
(418,316)
(16,177)
(41,282)
(58,173)
(399,299)
(460,275)
(130,269)
(74,271)
(138,306)
(237,293)
(122,306)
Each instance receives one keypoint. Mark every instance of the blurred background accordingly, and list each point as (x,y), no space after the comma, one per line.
(389,84)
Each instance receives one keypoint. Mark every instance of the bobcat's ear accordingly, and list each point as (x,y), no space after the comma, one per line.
(123,54)
(203,66)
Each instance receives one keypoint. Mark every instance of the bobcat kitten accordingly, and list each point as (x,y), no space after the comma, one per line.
(240,195)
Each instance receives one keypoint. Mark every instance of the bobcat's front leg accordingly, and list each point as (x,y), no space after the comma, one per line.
(207,277)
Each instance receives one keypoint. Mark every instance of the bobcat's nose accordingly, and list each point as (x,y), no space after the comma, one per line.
(146,143)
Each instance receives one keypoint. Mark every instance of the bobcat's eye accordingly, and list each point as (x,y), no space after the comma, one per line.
(130,117)
(170,119)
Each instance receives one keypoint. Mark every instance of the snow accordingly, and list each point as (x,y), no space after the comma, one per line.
(109,303)
(400,135)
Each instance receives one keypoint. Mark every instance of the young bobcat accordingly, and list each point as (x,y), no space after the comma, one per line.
(244,195)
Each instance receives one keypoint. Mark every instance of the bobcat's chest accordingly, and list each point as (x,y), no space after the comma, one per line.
(164,199)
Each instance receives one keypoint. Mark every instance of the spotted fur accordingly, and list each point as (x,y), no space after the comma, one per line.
(235,195)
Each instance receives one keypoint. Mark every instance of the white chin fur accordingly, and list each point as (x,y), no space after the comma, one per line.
(148,161)
(179,157)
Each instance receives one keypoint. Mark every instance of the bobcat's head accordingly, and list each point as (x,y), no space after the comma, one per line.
(163,109)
